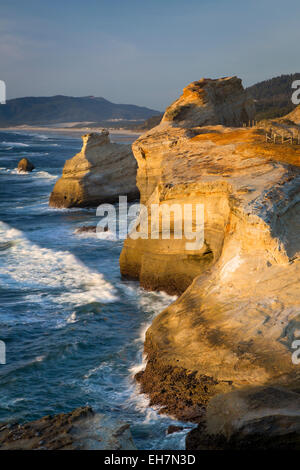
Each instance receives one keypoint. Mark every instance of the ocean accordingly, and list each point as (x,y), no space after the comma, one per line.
(73,328)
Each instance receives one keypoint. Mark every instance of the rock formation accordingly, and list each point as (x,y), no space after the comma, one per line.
(256,418)
(82,429)
(91,229)
(237,319)
(210,102)
(294,116)
(99,173)
(25,165)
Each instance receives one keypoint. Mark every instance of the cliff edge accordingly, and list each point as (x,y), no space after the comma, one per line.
(238,316)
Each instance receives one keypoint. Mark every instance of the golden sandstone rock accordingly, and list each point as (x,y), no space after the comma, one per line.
(207,101)
(237,318)
(294,116)
(25,165)
(99,173)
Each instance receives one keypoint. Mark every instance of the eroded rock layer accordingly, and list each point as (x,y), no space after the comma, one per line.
(235,324)
(99,173)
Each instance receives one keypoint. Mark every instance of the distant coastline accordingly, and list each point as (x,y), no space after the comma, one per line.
(69,130)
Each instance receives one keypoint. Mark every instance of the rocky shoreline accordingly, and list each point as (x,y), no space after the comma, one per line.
(81,429)
(221,354)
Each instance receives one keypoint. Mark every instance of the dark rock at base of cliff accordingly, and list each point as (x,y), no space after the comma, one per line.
(254,418)
(25,165)
(177,392)
(172,429)
(260,437)
(78,430)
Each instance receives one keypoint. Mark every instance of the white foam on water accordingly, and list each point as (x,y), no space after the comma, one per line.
(153,303)
(32,174)
(14,144)
(93,371)
(35,154)
(39,359)
(72,318)
(107,236)
(31,134)
(37,136)
(44,174)
(28,266)
(100,235)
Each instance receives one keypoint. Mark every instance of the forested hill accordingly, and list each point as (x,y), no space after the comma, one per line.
(273,97)
(59,109)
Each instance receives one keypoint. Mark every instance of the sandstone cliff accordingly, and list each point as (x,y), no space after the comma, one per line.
(236,321)
(99,173)
(207,101)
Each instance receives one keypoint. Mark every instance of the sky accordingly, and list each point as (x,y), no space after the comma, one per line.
(142,52)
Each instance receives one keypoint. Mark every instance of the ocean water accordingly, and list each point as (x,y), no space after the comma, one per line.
(73,328)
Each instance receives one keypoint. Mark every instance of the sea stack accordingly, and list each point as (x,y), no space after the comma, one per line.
(25,165)
(236,320)
(99,173)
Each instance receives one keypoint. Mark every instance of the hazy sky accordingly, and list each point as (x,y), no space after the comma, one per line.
(142,51)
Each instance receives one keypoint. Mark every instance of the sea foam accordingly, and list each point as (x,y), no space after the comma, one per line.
(27,266)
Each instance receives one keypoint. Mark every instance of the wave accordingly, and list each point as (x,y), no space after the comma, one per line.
(33,153)
(37,136)
(100,235)
(31,134)
(34,173)
(44,174)
(14,144)
(152,303)
(57,274)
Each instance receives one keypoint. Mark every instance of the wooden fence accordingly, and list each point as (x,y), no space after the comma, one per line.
(276,138)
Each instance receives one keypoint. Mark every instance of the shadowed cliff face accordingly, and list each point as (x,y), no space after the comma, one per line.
(235,323)
(99,173)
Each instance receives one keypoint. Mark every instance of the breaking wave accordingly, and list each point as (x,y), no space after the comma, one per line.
(31,267)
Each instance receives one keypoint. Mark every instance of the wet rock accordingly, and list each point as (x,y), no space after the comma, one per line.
(86,229)
(265,418)
(91,229)
(172,429)
(80,429)
(25,165)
